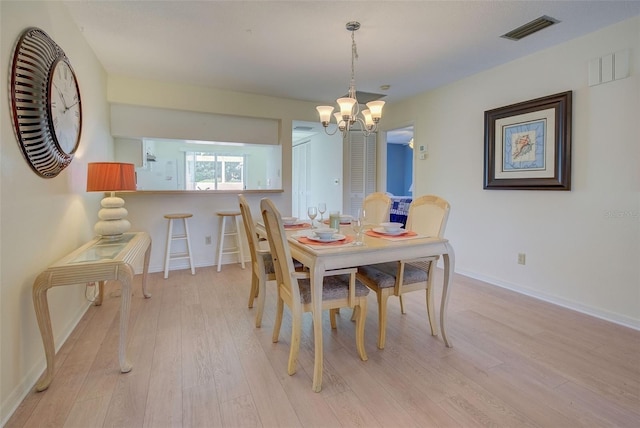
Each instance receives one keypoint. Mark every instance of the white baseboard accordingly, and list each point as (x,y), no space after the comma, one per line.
(569,304)
(184,264)
(19,393)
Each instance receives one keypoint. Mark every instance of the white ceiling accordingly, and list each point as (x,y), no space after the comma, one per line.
(301,49)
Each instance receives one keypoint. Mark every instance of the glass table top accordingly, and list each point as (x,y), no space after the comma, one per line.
(104,249)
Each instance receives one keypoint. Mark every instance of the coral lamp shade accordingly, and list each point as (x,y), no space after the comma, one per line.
(111,177)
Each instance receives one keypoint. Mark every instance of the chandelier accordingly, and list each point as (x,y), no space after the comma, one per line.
(350,117)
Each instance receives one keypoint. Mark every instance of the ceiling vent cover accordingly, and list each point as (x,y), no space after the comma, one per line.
(365,97)
(530,28)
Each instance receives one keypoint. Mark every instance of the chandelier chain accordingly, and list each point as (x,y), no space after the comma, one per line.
(354,55)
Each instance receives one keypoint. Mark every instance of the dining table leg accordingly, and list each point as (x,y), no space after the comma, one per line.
(317,277)
(449,260)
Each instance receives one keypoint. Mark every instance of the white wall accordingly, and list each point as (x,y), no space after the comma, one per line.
(43,219)
(582,247)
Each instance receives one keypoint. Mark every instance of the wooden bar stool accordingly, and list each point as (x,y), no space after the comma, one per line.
(171,237)
(234,231)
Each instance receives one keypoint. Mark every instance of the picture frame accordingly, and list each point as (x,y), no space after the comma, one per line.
(527,146)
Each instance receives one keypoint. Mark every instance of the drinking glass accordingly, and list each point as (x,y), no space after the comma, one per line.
(357,224)
(312,212)
(322,208)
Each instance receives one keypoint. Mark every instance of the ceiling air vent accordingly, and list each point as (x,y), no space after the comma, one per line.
(365,97)
(530,28)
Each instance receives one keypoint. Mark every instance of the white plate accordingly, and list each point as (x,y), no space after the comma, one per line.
(334,238)
(384,232)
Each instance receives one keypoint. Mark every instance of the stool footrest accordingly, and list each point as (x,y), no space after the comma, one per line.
(175,256)
(234,231)
(180,236)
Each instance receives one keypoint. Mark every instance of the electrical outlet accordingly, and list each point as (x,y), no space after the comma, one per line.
(522,258)
(207,240)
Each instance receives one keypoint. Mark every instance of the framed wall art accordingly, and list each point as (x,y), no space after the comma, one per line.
(527,146)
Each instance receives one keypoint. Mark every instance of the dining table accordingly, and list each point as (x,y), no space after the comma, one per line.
(375,248)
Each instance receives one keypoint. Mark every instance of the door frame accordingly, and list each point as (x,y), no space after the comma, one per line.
(398,133)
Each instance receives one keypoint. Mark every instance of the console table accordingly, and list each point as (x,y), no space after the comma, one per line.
(97,261)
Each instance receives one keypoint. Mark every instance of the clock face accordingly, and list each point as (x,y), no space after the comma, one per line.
(45,103)
(64,106)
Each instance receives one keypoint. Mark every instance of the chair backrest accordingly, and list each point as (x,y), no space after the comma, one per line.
(377,206)
(249,228)
(280,253)
(428,215)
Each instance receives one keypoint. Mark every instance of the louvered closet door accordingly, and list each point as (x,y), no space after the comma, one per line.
(360,168)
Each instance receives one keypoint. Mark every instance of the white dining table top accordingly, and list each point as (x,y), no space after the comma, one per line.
(370,243)
(373,250)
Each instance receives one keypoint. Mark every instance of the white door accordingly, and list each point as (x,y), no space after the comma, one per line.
(360,169)
(300,180)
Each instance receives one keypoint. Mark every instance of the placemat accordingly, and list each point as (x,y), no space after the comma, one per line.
(410,234)
(298,226)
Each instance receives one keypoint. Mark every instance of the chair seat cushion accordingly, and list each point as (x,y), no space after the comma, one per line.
(268,264)
(384,274)
(334,287)
(270,269)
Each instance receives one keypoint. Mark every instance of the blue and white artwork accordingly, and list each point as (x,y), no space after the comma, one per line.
(524,146)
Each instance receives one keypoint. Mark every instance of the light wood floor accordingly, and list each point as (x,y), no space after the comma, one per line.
(199,362)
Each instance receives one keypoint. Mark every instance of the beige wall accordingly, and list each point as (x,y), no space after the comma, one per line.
(582,247)
(43,219)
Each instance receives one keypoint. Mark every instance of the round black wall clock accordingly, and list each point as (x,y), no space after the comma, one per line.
(45,103)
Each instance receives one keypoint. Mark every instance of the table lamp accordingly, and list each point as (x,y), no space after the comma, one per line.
(111,177)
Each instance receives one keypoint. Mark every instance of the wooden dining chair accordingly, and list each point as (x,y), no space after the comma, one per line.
(261,263)
(427,216)
(339,289)
(376,206)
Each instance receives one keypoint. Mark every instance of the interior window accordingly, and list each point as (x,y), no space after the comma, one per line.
(213,171)
(201,165)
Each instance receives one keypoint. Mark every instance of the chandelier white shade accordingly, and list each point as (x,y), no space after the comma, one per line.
(350,118)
